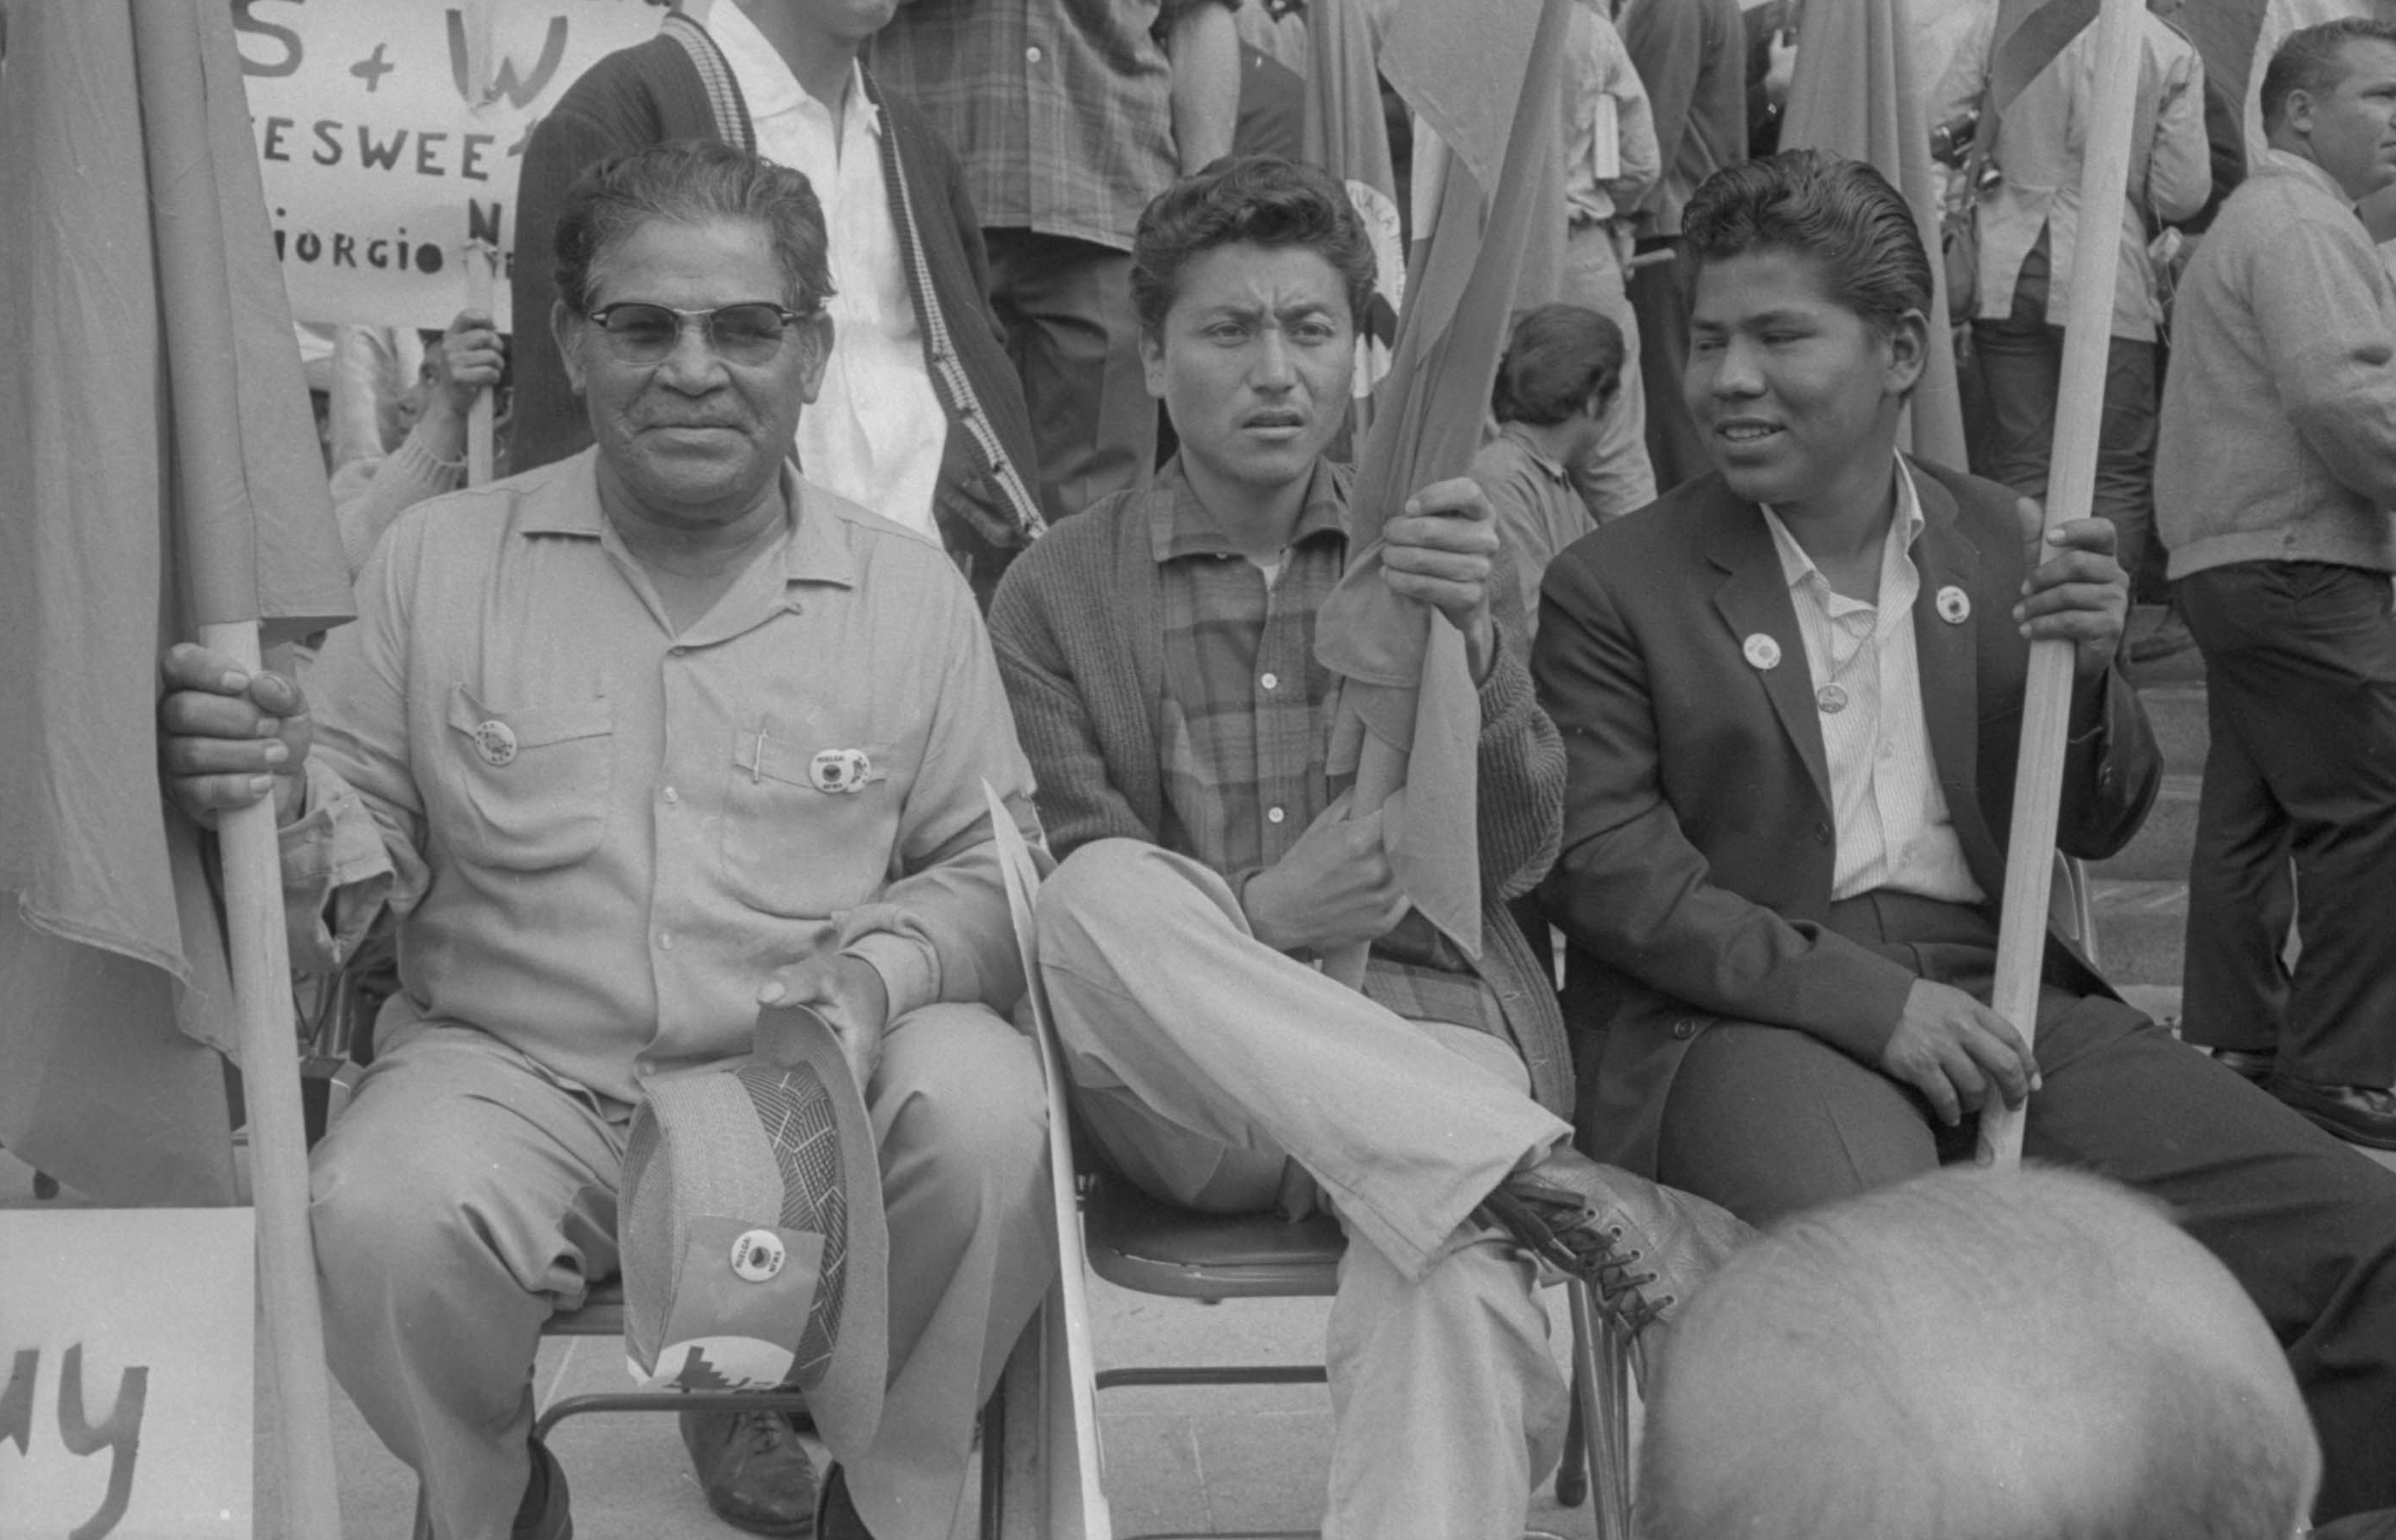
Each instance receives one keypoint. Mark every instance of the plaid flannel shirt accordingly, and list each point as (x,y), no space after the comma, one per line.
(1060,110)
(1244,728)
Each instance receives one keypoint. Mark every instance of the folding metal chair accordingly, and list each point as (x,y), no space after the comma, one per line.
(338,1017)
(1046,1478)
(1135,1242)
(1042,1462)
(601,1315)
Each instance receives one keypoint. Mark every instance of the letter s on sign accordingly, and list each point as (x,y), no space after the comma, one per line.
(243,23)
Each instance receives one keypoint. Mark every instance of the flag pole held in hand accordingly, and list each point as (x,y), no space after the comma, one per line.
(2046,712)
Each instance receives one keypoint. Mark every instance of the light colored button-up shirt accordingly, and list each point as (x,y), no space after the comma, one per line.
(600,835)
(877,432)
(1597,68)
(2041,140)
(1539,512)
(1894,830)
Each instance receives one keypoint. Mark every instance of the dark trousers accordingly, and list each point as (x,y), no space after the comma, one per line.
(1675,448)
(1767,1121)
(1070,329)
(2301,676)
(2021,372)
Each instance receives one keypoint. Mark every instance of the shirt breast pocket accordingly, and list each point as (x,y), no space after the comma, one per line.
(811,827)
(532,781)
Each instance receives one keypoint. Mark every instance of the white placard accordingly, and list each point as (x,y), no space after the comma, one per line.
(126,1365)
(390,133)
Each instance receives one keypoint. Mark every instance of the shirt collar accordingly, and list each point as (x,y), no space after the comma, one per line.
(2305,170)
(1548,464)
(1797,567)
(1179,526)
(768,87)
(815,551)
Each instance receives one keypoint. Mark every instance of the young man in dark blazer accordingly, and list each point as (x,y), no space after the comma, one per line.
(1790,694)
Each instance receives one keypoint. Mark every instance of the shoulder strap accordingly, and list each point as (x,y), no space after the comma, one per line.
(724,96)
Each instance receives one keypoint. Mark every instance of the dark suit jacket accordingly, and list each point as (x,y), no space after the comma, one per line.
(1695,877)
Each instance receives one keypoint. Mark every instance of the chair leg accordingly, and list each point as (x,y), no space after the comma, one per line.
(423,1530)
(1600,1361)
(1572,1472)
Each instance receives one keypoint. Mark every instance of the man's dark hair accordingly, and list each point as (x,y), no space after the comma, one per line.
(692,182)
(1262,200)
(2312,60)
(1841,213)
(1557,357)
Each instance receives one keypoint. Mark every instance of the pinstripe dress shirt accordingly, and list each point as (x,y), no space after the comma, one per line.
(1894,830)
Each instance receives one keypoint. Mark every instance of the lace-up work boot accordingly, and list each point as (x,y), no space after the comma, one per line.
(1643,1248)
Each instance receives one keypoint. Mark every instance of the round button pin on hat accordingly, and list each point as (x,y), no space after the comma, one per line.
(1954,606)
(1762,651)
(758,1254)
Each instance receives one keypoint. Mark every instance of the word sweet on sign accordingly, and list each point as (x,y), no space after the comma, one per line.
(390,133)
(125,1371)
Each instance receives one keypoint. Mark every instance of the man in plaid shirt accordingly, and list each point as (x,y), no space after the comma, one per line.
(1159,654)
(1069,115)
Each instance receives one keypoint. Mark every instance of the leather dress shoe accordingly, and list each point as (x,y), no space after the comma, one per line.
(2359,1114)
(836,1518)
(1643,1248)
(2256,1065)
(753,1471)
(543,1514)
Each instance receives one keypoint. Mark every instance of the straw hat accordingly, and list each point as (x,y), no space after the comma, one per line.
(755,1254)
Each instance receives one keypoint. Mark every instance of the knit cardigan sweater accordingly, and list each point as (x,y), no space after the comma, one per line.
(984,501)
(1081,647)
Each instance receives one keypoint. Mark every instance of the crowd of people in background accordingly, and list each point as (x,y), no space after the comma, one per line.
(1063,313)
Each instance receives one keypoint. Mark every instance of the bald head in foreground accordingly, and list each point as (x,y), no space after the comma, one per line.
(1969,1356)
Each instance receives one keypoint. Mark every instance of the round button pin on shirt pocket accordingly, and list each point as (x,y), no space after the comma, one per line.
(496,741)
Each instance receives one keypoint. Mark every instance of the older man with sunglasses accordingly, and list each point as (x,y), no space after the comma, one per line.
(627,745)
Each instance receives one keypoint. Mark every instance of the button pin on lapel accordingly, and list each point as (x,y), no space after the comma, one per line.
(1954,606)
(1762,651)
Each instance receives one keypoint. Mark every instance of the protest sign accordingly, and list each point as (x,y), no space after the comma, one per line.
(125,1374)
(390,133)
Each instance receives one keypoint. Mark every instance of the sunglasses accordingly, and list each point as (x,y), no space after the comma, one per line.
(751,332)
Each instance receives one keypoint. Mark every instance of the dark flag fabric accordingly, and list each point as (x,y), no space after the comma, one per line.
(1485,81)
(1347,136)
(159,471)
(1855,96)
(2224,32)
(2029,35)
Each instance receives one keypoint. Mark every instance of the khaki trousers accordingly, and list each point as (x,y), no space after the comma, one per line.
(1205,1063)
(466,1193)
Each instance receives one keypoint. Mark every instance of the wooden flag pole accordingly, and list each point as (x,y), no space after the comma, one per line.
(278,1140)
(482,263)
(2071,480)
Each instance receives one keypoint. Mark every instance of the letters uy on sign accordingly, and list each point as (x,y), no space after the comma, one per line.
(126,1365)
